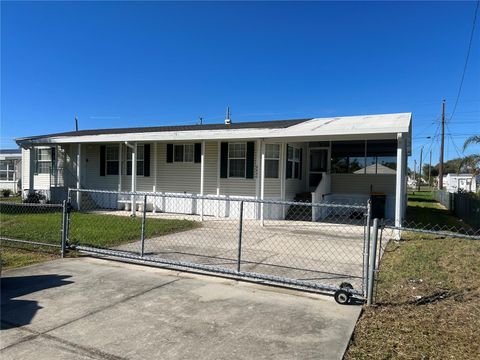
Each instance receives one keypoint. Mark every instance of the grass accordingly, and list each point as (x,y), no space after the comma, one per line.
(14,257)
(86,229)
(427,297)
(423,209)
(15,199)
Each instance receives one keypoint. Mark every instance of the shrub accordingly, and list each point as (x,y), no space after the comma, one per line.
(6,192)
(35,198)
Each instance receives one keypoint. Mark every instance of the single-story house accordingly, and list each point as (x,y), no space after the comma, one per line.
(277,160)
(460,182)
(10,169)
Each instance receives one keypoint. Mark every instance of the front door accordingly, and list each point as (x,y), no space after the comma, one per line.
(318,165)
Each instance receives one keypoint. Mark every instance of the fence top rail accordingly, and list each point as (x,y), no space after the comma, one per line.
(435,232)
(31,204)
(220,197)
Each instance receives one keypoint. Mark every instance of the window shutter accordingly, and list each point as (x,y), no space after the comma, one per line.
(250,159)
(34,153)
(198,152)
(102,160)
(146,160)
(301,165)
(53,161)
(169,153)
(224,160)
(288,166)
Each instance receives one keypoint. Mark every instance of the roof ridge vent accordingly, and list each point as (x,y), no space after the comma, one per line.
(228,121)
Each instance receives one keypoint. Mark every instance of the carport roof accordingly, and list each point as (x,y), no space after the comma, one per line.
(295,128)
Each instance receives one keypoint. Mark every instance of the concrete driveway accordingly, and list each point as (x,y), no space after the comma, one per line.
(323,253)
(87,308)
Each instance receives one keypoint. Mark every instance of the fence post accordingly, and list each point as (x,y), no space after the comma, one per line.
(64,228)
(366,248)
(142,236)
(372,262)
(240,231)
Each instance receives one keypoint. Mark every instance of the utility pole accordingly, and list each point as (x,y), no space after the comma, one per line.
(76,123)
(430,168)
(442,145)
(420,169)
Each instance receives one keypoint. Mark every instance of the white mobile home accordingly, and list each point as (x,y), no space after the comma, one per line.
(454,183)
(340,159)
(10,169)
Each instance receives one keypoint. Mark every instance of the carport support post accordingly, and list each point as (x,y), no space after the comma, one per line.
(366,248)
(79,167)
(144,218)
(202,178)
(262,185)
(64,229)
(372,262)
(240,231)
(134,177)
(400,184)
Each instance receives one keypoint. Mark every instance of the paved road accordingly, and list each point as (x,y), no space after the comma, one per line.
(86,308)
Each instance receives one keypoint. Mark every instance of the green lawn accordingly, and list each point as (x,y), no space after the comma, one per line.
(86,229)
(427,295)
(423,209)
(15,199)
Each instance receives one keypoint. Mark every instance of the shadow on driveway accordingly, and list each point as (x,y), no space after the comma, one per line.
(23,311)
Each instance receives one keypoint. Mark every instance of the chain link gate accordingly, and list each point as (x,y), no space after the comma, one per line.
(322,247)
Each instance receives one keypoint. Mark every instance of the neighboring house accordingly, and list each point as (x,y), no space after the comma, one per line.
(10,169)
(463,182)
(276,160)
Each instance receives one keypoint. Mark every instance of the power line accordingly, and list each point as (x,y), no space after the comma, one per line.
(466,60)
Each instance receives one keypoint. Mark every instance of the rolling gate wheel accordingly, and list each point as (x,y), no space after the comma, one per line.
(343,295)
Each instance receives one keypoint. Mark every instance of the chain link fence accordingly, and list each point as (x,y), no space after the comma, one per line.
(320,247)
(32,226)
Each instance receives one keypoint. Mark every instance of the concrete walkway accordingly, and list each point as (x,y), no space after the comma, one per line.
(86,308)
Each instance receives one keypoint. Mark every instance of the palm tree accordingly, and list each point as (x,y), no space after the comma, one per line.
(472,161)
(475,139)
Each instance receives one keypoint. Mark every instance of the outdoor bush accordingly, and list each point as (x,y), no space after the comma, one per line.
(6,192)
(35,198)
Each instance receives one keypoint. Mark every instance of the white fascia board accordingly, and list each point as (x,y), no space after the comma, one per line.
(342,127)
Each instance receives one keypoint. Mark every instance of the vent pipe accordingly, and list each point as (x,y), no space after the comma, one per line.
(228,121)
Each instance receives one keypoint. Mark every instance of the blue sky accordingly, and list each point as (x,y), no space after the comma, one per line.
(140,64)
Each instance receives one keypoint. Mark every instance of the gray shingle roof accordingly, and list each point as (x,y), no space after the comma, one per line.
(10,151)
(273,124)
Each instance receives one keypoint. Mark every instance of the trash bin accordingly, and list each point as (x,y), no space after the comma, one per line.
(378,205)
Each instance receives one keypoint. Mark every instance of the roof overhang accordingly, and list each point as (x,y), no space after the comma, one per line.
(336,128)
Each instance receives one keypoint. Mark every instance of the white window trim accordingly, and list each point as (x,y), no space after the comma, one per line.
(277,159)
(9,170)
(183,158)
(293,161)
(38,161)
(106,159)
(237,158)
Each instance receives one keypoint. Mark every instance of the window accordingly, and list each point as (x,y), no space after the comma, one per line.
(237,156)
(293,163)
(364,157)
(43,161)
(7,170)
(183,153)
(272,160)
(112,160)
(140,160)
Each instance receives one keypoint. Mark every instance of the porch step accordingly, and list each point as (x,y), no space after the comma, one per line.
(303,197)
(300,212)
